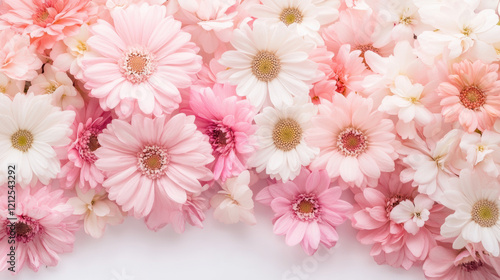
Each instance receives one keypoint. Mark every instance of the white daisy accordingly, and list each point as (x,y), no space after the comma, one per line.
(29,129)
(282,148)
(298,15)
(476,203)
(270,62)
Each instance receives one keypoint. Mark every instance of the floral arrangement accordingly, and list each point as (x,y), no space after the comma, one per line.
(163,109)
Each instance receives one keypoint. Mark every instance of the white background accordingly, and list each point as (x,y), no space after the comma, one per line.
(219,251)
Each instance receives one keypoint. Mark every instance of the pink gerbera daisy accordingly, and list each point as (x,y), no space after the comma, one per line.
(46,21)
(79,169)
(44,228)
(445,263)
(306,210)
(140,61)
(471,95)
(165,156)
(356,142)
(228,123)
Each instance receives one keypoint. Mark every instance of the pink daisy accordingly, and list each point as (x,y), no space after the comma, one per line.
(394,243)
(44,228)
(46,21)
(139,67)
(228,123)
(79,169)
(471,95)
(347,71)
(445,263)
(18,60)
(356,142)
(306,210)
(147,158)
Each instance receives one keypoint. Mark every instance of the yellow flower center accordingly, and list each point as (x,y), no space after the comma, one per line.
(485,213)
(291,15)
(266,66)
(22,140)
(287,134)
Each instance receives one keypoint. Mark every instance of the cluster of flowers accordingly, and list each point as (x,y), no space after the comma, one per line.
(161,109)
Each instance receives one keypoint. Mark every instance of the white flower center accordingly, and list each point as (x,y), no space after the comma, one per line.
(153,161)
(22,140)
(352,142)
(266,66)
(291,15)
(51,88)
(287,134)
(485,213)
(82,47)
(137,65)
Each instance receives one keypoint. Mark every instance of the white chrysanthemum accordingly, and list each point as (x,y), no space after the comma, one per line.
(482,151)
(270,62)
(59,86)
(298,15)
(234,202)
(405,102)
(282,148)
(29,129)
(476,202)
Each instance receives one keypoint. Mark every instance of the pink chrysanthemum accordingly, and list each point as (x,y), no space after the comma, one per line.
(306,210)
(356,142)
(228,123)
(392,242)
(347,71)
(139,67)
(445,263)
(146,158)
(358,28)
(44,228)
(46,21)
(18,60)
(79,169)
(471,95)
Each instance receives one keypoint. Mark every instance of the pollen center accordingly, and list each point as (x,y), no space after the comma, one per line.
(352,142)
(472,97)
(306,208)
(137,65)
(93,143)
(51,88)
(266,66)
(485,213)
(22,140)
(25,229)
(287,134)
(221,138)
(153,161)
(291,15)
